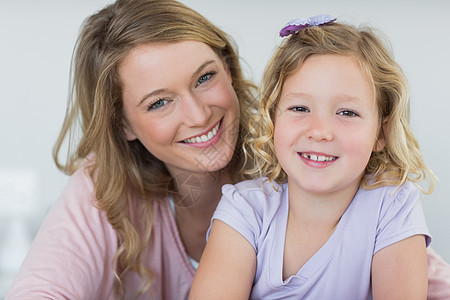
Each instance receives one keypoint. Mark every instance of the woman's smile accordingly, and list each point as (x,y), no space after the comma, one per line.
(209,137)
(188,118)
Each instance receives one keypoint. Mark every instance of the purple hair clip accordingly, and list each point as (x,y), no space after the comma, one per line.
(299,24)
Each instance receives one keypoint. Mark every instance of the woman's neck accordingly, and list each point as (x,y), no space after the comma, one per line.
(199,191)
(195,201)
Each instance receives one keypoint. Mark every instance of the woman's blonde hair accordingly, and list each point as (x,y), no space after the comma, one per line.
(121,168)
(400,160)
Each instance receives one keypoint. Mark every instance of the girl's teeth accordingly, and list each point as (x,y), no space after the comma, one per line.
(318,158)
(203,138)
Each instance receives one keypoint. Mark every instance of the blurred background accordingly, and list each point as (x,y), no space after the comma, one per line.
(36,43)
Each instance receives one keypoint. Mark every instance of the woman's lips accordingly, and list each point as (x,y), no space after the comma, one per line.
(203,138)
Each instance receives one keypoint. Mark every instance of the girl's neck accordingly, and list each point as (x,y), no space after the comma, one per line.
(319,210)
(312,219)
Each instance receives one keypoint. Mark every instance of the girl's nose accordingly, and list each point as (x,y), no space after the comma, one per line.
(320,129)
(195,111)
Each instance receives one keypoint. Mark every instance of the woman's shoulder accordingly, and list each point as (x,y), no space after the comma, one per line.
(79,189)
(72,252)
(78,196)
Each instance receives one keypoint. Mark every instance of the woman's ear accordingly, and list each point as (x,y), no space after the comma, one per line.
(129,134)
(227,70)
(381,139)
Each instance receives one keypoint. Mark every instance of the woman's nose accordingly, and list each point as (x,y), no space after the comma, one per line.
(320,129)
(195,111)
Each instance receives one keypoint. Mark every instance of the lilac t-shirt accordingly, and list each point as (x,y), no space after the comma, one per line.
(341,268)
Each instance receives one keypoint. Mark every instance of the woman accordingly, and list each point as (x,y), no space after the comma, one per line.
(151,80)
(159,94)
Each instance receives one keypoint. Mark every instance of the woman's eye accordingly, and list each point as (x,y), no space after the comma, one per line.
(205,78)
(299,109)
(347,113)
(157,104)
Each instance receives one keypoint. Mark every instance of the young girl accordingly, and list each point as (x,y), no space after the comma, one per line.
(338,215)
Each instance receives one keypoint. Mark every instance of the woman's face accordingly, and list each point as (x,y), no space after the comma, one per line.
(179,103)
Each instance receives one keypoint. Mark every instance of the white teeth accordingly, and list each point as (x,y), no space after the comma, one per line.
(205,137)
(318,158)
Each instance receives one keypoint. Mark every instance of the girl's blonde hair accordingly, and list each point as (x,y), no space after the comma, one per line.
(122,169)
(400,160)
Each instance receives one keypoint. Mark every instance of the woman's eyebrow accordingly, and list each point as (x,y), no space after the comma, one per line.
(200,69)
(151,94)
(158,91)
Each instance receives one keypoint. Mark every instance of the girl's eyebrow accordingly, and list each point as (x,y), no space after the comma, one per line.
(159,91)
(295,94)
(340,97)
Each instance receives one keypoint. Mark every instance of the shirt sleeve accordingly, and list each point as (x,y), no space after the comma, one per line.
(401,217)
(71,256)
(238,212)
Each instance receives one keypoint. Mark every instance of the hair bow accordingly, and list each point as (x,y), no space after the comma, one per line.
(299,24)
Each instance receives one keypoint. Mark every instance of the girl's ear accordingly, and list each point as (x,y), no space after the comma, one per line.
(129,134)
(381,139)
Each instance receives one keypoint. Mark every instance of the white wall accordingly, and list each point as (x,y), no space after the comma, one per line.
(36,41)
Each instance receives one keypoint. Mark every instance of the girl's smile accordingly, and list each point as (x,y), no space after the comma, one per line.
(326,125)
(317,160)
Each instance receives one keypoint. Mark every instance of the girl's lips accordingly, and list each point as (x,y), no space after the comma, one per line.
(317,160)
(317,156)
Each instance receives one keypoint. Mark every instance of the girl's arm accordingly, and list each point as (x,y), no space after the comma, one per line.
(399,271)
(227,266)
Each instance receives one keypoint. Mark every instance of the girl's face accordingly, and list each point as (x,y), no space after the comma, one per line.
(179,103)
(326,125)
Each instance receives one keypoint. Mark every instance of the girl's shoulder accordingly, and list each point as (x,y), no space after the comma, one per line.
(262,186)
(390,193)
(259,195)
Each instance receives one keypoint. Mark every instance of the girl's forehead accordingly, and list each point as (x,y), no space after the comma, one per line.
(337,77)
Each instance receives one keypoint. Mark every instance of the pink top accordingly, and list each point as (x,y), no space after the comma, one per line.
(438,277)
(71,256)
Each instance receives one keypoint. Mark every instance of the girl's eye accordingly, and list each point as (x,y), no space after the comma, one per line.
(157,104)
(348,113)
(204,78)
(299,109)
